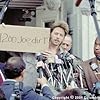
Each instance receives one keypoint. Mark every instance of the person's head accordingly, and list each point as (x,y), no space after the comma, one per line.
(97,48)
(14,68)
(67,43)
(57,32)
(75,92)
(2,95)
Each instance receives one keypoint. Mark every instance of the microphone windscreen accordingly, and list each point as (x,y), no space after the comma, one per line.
(72,56)
(94,66)
(58,61)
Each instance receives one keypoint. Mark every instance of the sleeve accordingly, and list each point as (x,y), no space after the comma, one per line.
(47,92)
(30,94)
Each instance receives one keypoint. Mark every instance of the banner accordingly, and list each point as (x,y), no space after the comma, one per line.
(23,38)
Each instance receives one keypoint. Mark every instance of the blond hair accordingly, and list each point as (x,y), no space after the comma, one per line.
(61,24)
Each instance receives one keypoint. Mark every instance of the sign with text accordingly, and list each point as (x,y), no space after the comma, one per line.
(23,38)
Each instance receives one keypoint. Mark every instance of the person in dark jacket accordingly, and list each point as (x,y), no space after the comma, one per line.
(91,67)
(14,71)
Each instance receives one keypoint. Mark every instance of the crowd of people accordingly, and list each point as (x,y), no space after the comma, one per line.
(55,74)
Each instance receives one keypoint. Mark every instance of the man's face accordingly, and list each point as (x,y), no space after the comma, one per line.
(67,43)
(57,36)
(97,48)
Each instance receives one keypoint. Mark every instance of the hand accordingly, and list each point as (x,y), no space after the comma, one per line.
(49,55)
(42,81)
(46,53)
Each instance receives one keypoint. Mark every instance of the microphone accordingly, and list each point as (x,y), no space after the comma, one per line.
(78,3)
(17,91)
(67,56)
(94,66)
(63,55)
(57,60)
(38,86)
(40,57)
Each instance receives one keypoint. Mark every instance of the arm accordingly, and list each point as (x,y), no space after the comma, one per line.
(29,94)
(47,92)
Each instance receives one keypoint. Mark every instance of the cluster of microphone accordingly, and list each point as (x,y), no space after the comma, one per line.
(59,61)
(61,65)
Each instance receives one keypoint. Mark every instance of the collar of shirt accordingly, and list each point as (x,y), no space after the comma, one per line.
(11,80)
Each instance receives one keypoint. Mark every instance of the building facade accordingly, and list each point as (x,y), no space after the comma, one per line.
(42,13)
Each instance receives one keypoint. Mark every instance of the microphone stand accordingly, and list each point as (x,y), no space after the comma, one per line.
(93,13)
(3,10)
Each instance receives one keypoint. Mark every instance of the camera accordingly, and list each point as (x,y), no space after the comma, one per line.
(17,91)
(96,89)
